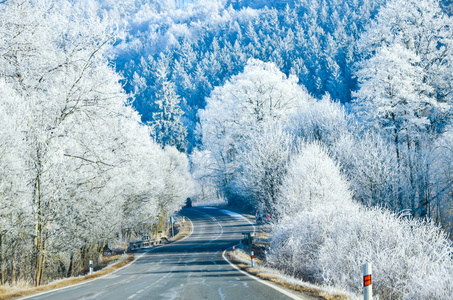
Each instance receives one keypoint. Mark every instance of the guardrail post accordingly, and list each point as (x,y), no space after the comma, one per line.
(367,287)
(91,267)
(172,226)
(251,259)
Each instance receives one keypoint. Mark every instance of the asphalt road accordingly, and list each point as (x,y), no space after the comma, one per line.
(192,268)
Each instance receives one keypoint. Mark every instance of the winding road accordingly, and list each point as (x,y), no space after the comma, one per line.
(192,268)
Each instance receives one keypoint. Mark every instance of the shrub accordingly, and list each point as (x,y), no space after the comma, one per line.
(411,259)
(328,239)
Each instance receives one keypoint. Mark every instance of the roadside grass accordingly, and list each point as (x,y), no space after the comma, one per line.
(242,261)
(182,232)
(22,290)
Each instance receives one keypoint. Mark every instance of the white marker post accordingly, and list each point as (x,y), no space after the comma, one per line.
(91,267)
(367,287)
(251,258)
(234,249)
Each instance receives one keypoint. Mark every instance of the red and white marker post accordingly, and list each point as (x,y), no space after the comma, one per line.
(251,258)
(367,287)
(234,249)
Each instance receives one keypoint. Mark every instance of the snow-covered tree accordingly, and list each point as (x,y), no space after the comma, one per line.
(264,159)
(425,33)
(392,95)
(167,124)
(313,180)
(238,110)
(80,165)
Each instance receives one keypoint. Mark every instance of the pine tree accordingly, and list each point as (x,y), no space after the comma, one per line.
(167,125)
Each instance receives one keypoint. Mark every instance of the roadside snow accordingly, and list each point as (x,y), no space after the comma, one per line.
(231,214)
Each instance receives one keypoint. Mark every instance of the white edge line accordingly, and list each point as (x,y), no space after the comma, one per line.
(80,283)
(275,287)
(245,218)
(91,280)
(190,232)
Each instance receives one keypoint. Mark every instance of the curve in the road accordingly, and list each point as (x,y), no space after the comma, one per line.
(191,268)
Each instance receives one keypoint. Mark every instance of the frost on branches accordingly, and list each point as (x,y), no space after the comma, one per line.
(325,237)
(77,166)
(247,107)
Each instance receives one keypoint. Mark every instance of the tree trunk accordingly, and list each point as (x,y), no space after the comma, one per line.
(2,261)
(40,264)
(13,263)
(38,245)
(398,160)
(71,266)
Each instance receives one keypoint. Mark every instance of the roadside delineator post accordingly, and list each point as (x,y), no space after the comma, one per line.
(91,267)
(234,249)
(251,258)
(367,287)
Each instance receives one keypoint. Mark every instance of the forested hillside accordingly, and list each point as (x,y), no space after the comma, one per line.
(388,64)
(203,46)
(313,110)
(334,116)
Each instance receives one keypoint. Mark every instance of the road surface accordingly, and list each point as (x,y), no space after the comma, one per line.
(192,268)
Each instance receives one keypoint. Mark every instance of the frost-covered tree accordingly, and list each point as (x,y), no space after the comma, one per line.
(264,159)
(72,165)
(410,43)
(392,95)
(424,31)
(203,169)
(235,112)
(369,163)
(167,124)
(313,180)
(324,121)
(14,208)
(440,207)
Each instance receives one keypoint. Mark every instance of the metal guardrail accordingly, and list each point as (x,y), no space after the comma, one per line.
(143,244)
(261,241)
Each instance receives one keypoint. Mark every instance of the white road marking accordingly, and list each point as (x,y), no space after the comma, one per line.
(221,295)
(261,280)
(109,274)
(131,296)
(174,295)
(190,232)
(275,287)
(94,296)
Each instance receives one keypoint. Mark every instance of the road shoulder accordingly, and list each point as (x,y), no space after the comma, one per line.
(273,278)
(75,281)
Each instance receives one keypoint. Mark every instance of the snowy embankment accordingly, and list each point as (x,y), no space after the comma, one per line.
(329,238)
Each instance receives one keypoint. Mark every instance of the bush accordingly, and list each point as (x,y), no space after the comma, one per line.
(411,259)
(325,237)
